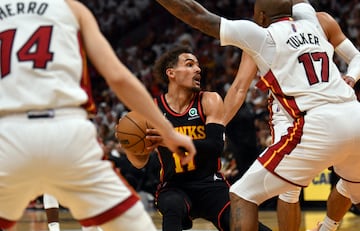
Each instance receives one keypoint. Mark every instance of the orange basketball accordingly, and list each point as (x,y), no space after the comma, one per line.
(131,133)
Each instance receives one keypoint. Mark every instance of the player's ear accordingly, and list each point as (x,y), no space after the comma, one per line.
(262,18)
(170,72)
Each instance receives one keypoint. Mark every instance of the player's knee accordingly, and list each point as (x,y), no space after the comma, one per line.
(171,202)
(290,196)
(341,188)
(350,190)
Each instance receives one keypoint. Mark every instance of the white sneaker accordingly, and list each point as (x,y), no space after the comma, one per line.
(54,226)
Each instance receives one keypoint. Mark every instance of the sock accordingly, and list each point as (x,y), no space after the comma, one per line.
(54,226)
(329,225)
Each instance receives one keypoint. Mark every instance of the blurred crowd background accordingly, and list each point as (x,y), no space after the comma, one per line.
(141,30)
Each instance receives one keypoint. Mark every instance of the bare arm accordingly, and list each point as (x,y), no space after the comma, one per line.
(125,85)
(236,94)
(195,15)
(213,107)
(331,28)
(343,47)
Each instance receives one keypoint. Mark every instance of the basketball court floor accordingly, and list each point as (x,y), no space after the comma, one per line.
(35,220)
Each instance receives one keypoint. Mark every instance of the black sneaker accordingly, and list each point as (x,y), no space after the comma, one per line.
(263,227)
(355,210)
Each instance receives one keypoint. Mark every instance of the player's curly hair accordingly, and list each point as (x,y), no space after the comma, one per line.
(168,60)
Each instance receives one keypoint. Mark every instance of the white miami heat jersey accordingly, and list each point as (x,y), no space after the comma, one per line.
(42,64)
(302,74)
(294,58)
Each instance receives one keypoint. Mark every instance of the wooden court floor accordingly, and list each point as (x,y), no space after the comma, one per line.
(35,220)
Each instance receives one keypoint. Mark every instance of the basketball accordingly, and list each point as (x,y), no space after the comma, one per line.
(131,133)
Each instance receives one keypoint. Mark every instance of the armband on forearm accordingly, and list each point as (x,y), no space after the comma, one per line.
(347,51)
(214,142)
(354,68)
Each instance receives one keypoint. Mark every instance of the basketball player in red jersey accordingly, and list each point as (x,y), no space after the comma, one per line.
(44,130)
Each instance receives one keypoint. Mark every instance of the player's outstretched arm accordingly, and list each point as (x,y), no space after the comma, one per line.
(124,84)
(195,15)
(237,92)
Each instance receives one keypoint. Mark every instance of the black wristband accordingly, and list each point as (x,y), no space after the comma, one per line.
(214,141)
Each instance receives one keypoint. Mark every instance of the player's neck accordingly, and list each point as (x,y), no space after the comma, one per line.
(179,102)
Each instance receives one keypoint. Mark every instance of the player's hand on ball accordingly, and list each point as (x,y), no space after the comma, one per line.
(131,133)
(154,136)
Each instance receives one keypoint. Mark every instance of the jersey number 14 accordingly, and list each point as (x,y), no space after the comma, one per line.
(35,49)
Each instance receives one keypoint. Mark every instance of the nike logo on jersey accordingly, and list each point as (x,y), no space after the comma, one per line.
(216,177)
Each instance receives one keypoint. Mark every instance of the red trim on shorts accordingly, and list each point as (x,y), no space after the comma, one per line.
(219,164)
(276,152)
(6,224)
(111,213)
(220,215)
(188,207)
(271,158)
(271,113)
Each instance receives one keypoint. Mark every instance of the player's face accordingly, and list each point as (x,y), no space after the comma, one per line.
(187,72)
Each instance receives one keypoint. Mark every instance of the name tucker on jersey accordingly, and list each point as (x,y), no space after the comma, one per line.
(301,39)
